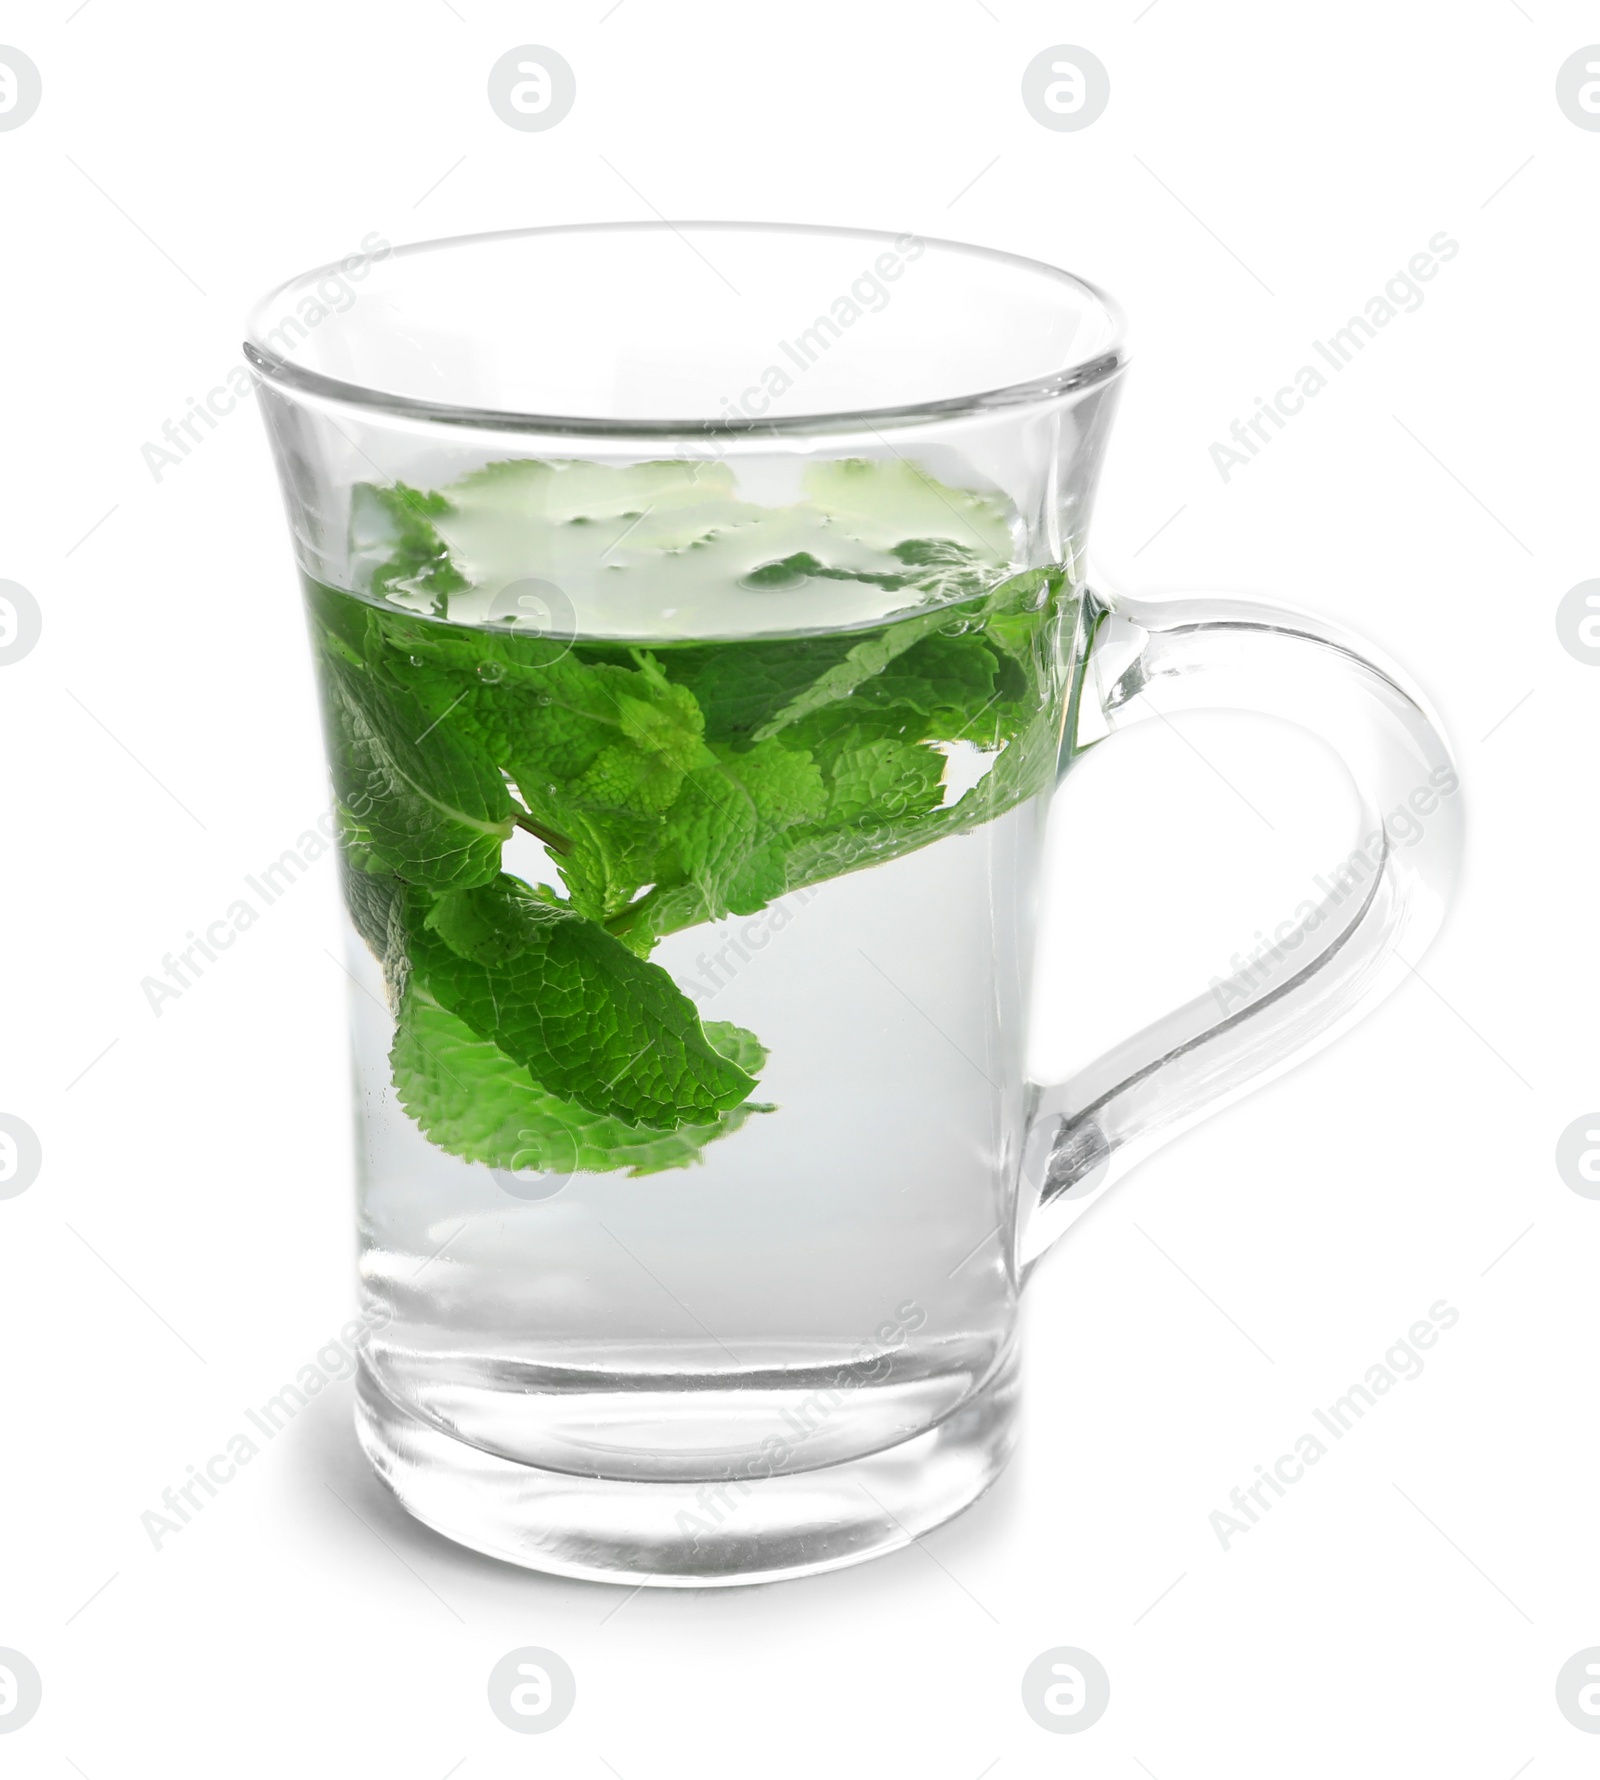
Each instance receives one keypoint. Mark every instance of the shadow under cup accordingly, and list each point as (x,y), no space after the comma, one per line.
(698,611)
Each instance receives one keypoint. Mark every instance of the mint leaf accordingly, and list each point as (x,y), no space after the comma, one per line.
(783,783)
(712,829)
(468,1097)
(643,770)
(376,902)
(740,686)
(589,1020)
(861,662)
(886,779)
(953,676)
(429,808)
(395,549)
(611,856)
(734,807)
(598,752)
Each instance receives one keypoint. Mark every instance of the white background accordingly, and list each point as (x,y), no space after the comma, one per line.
(1260,171)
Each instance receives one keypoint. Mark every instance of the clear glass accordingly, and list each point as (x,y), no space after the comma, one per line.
(702,627)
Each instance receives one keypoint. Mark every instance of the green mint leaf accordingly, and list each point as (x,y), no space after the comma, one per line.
(469,1098)
(597,751)
(611,857)
(862,661)
(712,828)
(731,808)
(644,770)
(783,783)
(623,778)
(395,548)
(954,676)
(931,553)
(1025,767)
(376,902)
(428,808)
(589,1020)
(884,779)
(790,571)
(741,686)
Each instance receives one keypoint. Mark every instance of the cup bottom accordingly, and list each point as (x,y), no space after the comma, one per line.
(688,1534)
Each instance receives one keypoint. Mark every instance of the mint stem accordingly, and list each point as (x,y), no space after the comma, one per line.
(626,919)
(557,843)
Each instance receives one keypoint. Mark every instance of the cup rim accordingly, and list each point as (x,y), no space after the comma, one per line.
(1080,374)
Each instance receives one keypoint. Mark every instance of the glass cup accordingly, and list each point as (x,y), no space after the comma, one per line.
(702,627)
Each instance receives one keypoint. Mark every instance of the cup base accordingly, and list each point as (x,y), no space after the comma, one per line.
(688,1534)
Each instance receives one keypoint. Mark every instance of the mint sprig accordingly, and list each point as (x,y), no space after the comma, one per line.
(670,785)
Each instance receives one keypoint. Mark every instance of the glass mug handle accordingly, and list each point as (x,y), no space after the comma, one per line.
(1149,659)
